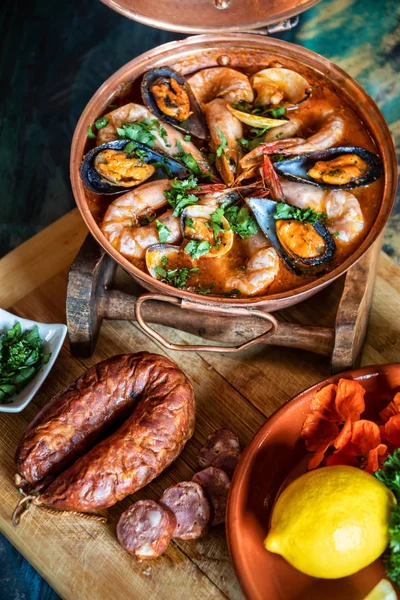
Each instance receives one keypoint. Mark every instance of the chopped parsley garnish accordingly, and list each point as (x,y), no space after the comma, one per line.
(164,260)
(139,131)
(197,249)
(189,223)
(163,231)
(147,219)
(21,357)
(389,475)
(164,135)
(259,110)
(175,277)
(188,159)
(277,112)
(178,196)
(187,138)
(203,290)
(254,141)
(216,223)
(129,147)
(285,211)
(223,144)
(240,220)
(101,122)
(235,293)
(90,133)
(336,234)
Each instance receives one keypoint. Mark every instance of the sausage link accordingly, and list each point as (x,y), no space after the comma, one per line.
(148,442)
(77,417)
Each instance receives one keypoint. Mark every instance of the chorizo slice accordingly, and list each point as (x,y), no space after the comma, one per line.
(215,483)
(78,416)
(145,529)
(221,441)
(227,461)
(191,508)
(148,442)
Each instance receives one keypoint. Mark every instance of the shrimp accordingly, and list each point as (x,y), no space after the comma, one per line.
(214,89)
(171,143)
(345,217)
(261,269)
(329,135)
(225,130)
(221,82)
(283,132)
(121,222)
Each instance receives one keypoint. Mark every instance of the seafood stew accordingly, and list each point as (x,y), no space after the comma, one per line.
(233,182)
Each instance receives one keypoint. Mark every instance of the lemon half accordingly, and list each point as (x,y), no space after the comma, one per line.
(331,522)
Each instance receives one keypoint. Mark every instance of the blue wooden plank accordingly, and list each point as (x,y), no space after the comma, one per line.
(56,55)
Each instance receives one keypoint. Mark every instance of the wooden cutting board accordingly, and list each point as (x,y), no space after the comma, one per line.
(81,559)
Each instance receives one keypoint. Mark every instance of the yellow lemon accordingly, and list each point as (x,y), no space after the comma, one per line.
(331,522)
(382,591)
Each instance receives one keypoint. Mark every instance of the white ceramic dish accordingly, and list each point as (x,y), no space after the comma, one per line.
(53,336)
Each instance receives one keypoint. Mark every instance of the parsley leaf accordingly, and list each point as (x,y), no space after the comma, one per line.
(129,147)
(189,223)
(216,223)
(90,133)
(223,144)
(139,131)
(240,220)
(285,211)
(235,293)
(188,159)
(101,122)
(203,290)
(178,196)
(163,231)
(164,135)
(175,277)
(147,219)
(164,260)
(187,138)
(197,249)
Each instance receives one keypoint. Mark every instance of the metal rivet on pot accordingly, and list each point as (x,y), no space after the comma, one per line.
(224,60)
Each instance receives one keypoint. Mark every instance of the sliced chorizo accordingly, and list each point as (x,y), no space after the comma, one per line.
(79,415)
(191,508)
(227,461)
(144,445)
(219,442)
(145,529)
(215,483)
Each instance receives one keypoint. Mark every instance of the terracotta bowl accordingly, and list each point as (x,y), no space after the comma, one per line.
(241,50)
(276,456)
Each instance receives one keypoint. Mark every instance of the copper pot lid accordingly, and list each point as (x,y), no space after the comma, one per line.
(205,16)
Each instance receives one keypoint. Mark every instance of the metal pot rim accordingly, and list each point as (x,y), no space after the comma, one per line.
(173,52)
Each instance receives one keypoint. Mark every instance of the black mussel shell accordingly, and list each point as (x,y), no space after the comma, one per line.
(94,182)
(264,211)
(195,124)
(296,168)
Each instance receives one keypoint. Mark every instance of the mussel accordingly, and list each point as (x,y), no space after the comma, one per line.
(342,168)
(203,223)
(168,95)
(302,245)
(119,165)
(280,87)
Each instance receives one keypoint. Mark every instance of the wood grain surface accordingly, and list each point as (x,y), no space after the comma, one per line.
(81,559)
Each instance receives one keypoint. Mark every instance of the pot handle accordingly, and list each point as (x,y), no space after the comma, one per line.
(229,311)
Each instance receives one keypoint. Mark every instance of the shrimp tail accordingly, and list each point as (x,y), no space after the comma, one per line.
(271,180)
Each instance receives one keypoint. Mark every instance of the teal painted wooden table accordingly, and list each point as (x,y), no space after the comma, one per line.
(56,55)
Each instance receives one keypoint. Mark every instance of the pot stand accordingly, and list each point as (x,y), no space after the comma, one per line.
(98,289)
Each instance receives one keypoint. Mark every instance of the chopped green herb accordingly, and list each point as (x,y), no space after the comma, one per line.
(243,142)
(147,219)
(101,122)
(240,220)
(187,159)
(163,231)
(223,144)
(139,131)
(21,357)
(164,260)
(129,147)
(259,110)
(176,277)
(90,133)
(189,223)
(178,196)
(197,249)
(216,223)
(242,105)
(164,135)
(278,112)
(389,475)
(285,211)
(203,290)
(187,138)
(233,294)
(336,234)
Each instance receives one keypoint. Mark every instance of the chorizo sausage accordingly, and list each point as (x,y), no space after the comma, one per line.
(191,508)
(215,483)
(227,461)
(220,442)
(145,529)
(76,417)
(148,442)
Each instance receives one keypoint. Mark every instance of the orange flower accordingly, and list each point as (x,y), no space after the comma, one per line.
(350,399)
(392,431)
(392,409)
